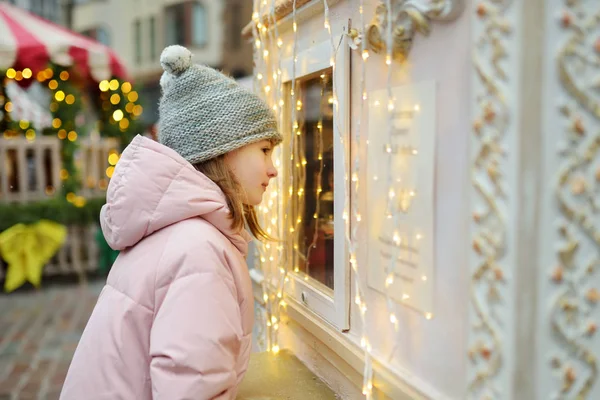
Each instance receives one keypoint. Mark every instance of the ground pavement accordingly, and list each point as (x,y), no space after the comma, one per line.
(39,331)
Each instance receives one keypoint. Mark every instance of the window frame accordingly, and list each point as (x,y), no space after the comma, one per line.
(152,37)
(187,25)
(137,41)
(192,26)
(331,305)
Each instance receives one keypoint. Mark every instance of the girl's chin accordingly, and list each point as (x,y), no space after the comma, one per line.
(254,201)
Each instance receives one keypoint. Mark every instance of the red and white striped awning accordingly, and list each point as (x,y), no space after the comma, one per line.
(28,41)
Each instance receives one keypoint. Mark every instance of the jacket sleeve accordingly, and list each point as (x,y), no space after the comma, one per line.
(195,340)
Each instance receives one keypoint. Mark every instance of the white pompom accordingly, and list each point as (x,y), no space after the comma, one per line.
(176,59)
(165,80)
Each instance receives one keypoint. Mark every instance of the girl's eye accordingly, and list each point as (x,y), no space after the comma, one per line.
(266,150)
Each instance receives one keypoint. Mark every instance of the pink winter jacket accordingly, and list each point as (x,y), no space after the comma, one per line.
(174,320)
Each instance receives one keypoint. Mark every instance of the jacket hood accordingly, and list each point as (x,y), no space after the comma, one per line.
(153,187)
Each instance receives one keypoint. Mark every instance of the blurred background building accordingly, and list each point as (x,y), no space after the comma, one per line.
(138,30)
(52,10)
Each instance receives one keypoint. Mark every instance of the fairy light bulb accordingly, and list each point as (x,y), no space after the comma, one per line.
(365,55)
(389,280)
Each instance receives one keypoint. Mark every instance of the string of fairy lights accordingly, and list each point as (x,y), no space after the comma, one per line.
(281,213)
(118,101)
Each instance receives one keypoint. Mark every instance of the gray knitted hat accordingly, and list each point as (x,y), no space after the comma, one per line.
(203,113)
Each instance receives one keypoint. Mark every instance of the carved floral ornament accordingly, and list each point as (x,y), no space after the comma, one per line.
(407,18)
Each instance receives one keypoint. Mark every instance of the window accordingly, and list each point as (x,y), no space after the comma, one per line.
(175,25)
(313,179)
(152,27)
(137,37)
(103,36)
(317,179)
(199,31)
(100,34)
(186,24)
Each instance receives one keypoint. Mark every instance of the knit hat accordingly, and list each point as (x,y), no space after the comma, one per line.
(203,113)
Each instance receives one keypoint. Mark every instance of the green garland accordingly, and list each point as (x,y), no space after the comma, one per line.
(119,113)
(58,210)
(118,99)
(65,107)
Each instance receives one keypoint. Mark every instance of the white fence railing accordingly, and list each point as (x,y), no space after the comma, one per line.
(30,171)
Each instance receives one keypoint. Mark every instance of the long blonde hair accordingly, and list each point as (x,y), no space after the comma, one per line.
(217,171)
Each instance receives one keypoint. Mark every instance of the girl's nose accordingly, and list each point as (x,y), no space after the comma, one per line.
(272,172)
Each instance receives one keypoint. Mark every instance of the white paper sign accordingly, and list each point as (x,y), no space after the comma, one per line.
(401,194)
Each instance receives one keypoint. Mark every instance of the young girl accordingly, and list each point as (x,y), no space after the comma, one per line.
(174,320)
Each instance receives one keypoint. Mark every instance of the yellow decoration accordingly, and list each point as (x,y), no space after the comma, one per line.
(132,97)
(114,84)
(104,86)
(113,159)
(27,248)
(59,96)
(118,115)
(70,99)
(79,201)
(137,110)
(11,73)
(115,99)
(126,87)
(53,84)
(64,75)
(27,73)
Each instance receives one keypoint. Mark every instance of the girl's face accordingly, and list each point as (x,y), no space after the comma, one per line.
(253,167)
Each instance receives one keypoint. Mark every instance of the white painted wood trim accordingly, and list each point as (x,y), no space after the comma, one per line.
(334,306)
